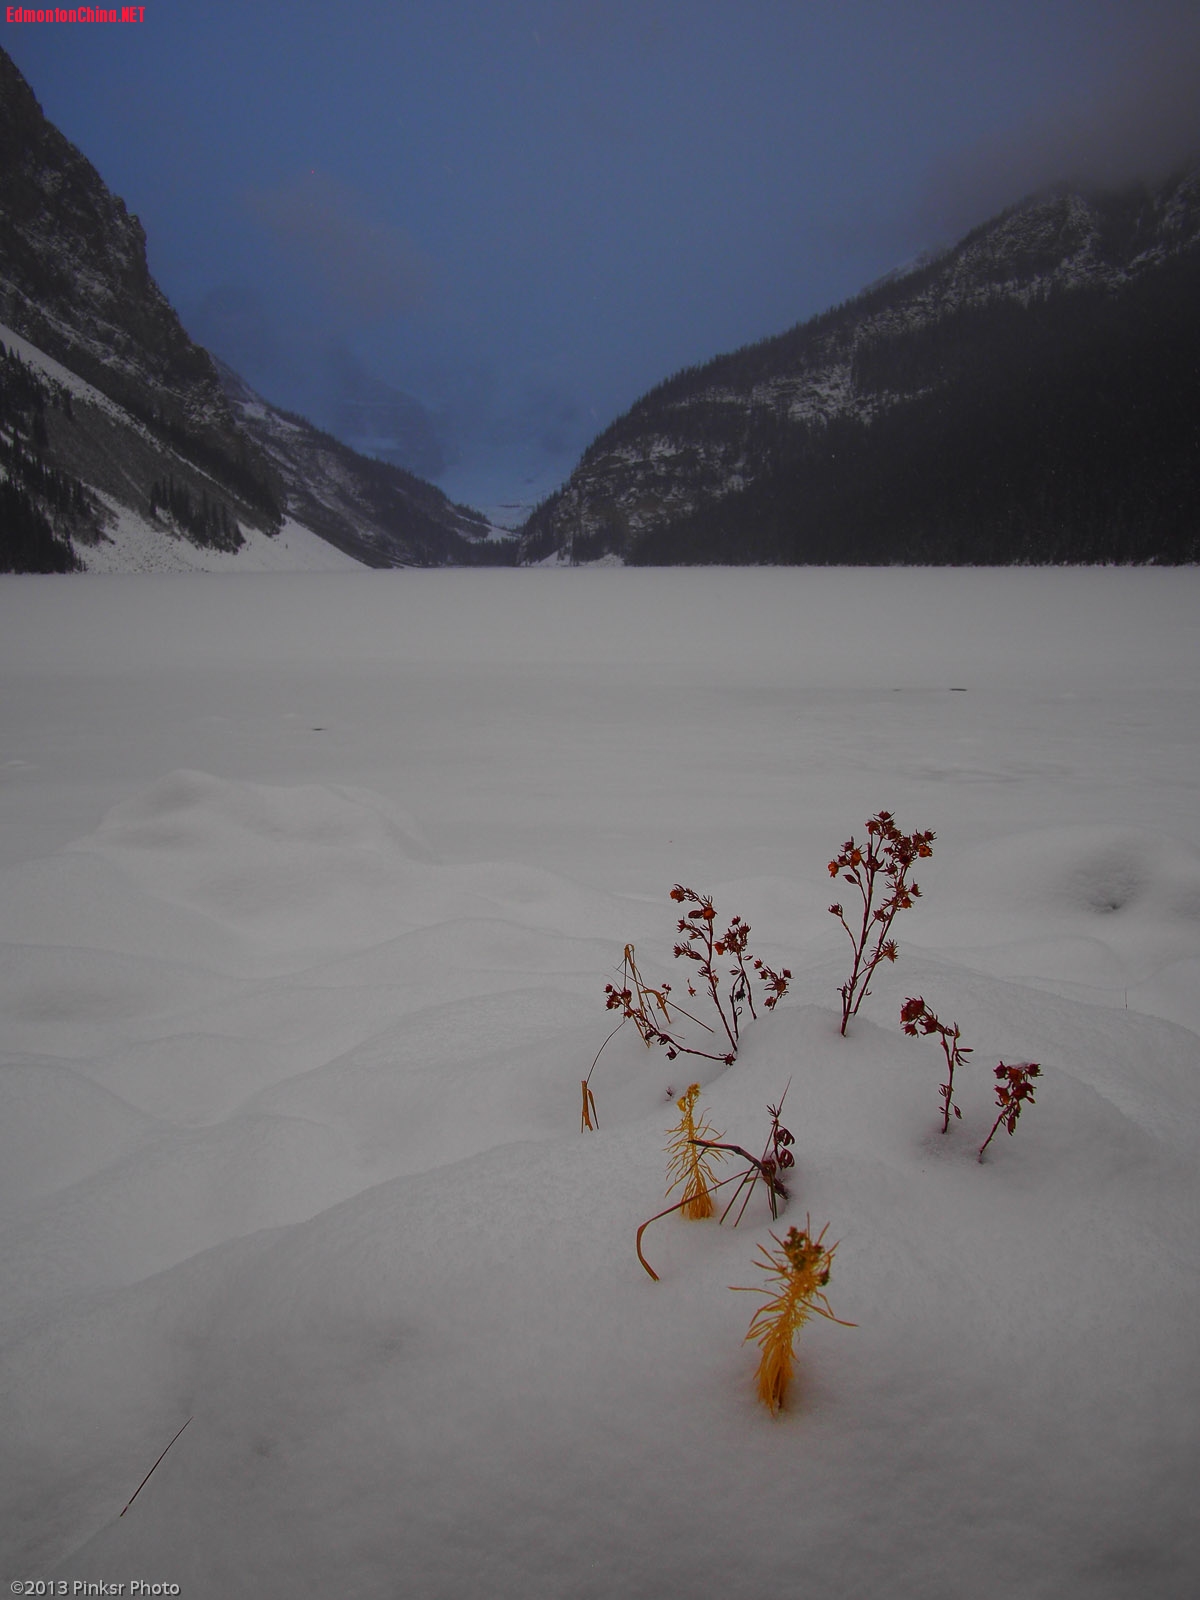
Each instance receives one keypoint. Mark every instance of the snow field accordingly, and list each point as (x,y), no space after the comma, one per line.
(133,546)
(311,889)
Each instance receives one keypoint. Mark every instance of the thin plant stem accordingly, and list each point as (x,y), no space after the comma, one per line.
(150,1474)
(678,1206)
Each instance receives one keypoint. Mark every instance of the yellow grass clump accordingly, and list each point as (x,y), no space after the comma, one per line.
(690,1164)
(799,1272)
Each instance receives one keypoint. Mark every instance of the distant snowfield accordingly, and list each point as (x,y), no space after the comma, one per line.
(309,889)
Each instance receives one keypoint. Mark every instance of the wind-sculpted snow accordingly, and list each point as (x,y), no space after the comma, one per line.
(1106,906)
(285,875)
(304,931)
(285,865)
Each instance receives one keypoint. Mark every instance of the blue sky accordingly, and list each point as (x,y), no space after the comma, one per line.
(523,215)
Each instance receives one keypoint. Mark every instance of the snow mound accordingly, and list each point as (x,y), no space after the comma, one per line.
(66,1001)
(445,1340)
(191,1078)
(277,877)
(1113,909)
(78,898)
(175,1195)
(312,866)
(1094,871)
(195,811)
(57,1127)
(448,1082)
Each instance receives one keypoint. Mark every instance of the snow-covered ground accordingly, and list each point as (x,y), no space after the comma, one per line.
(132,545)
(309,889)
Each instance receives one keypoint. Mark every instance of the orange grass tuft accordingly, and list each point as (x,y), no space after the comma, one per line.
(690,1162)
(766,1168)
(800,1271)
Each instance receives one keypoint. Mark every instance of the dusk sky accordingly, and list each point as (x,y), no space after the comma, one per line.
(523,215)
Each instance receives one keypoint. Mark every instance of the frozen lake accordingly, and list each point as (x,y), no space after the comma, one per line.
(310,885)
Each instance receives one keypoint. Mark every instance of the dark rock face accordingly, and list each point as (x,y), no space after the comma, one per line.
(74,282)
(1030,394)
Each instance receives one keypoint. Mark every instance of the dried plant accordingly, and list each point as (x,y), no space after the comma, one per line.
(701,945)
(1013,1090)
(877,868)
(693,1150)
(649,1010)
(916,1017)
(656,1015)
(776,1156)
(799,1272)
(641,1005)
(591,1117)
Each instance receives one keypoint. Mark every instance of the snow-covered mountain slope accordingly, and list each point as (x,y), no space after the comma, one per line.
(106,526)
(121,446)
(75,283)
(1073,310)
(374,511)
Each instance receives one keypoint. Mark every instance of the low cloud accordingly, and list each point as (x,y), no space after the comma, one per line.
(1138,122)
(373,270)
(233,322)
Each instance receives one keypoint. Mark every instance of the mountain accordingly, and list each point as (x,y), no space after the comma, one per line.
(1031,394)
(371,510)
(323,380)
(122,444)
(123,402)
(379,420)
